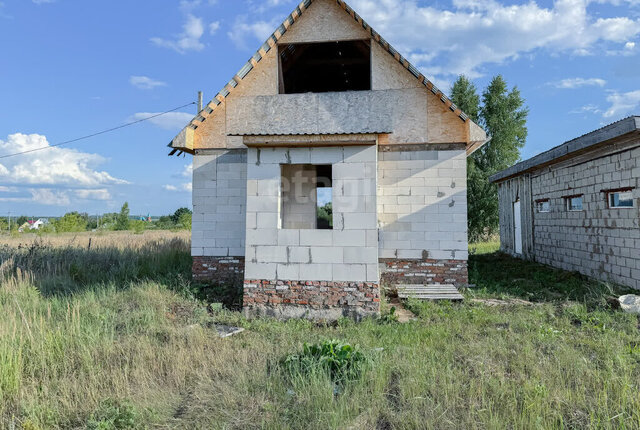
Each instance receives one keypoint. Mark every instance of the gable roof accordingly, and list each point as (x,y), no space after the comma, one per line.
(271,44)
(575,146)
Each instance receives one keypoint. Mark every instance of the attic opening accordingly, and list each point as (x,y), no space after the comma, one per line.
(325,67)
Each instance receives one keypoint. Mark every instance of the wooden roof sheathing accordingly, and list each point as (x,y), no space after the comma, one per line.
(271,44)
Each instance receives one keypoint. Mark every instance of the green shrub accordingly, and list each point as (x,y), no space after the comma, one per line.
(114,414)
(341,361)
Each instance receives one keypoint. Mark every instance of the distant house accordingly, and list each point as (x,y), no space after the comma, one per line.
(576,206)
(33,224)
(328,112)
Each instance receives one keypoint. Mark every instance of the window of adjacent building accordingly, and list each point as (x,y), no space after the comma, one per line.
(543,205)
(306,197)
(325,67)
(574,203)
(620,199)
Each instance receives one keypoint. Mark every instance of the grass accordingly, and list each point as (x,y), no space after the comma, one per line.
(126,345)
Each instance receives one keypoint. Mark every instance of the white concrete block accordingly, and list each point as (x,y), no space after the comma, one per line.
(316,237)
(288,272)
(299,254)
(300,155)
(360,221)
(342,238)
(289,237)
(215,252)
(326,254)
(267,220)
(360,255)
(262,236)
(265,271)
(349,272)
(358,154)
(326,155)
(271,254)
(372,273)
(316,272)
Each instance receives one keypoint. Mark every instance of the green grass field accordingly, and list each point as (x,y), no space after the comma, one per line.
(114,337)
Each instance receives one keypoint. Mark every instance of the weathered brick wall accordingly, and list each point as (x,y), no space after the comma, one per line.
(599,242)
(222,270)
(427,271)
(422,202)
(316,300)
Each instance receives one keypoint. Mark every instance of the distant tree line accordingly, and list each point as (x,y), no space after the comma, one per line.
(116,221)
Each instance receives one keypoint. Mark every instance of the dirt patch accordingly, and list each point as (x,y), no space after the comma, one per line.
(404,315)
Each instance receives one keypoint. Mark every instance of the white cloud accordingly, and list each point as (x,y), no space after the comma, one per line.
(99,194)
(591,108)
(47,196)
(243,29)
(187,172)
(214,27)
(183,187)
(53,166)
(472,33)
(622,104)
(571,83)
(188,40)
(168,121)
(43,1)
(145,82)
(4,189)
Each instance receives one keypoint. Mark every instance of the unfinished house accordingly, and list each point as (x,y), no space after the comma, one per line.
(326,166)
(575,206)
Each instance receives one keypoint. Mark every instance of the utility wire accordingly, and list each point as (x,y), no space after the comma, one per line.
(98,133)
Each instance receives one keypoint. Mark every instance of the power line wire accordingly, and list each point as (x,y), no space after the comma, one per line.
(98,133)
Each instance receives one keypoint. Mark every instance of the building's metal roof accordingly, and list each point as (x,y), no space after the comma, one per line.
(272,41)
(596,137)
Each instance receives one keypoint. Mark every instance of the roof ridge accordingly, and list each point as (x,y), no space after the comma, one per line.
(563,149)
(272,41)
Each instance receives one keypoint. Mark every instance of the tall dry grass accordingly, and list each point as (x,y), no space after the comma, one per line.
(82,330)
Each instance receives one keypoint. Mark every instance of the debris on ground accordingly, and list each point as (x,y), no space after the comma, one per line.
(227,330)
(630,303)
(503,302)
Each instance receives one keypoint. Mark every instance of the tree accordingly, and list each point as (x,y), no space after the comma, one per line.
(176,216)
(504,119)
(21,220)
(465,95)
(184,221)
(122,219)
(70,222)
(325,216)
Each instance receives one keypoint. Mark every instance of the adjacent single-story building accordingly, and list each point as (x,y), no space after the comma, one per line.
(327,165)
(575,206)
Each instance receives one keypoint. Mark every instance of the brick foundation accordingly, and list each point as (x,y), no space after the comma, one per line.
(316,300)
(429,271)
(223,270)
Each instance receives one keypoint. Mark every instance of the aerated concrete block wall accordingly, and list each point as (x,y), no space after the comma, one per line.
(422,212)
(218,225)
(599,242)
(306,272)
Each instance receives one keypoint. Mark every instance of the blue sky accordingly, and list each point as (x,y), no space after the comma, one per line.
(74,67)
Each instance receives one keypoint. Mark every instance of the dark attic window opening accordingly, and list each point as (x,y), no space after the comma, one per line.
(325,67)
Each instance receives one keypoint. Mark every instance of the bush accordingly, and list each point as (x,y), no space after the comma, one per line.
(341,361)
(115,415)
